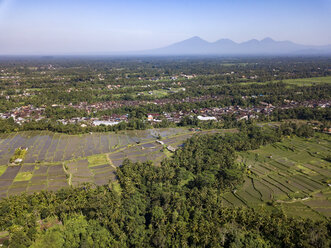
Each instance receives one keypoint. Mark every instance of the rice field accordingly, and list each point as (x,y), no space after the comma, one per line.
(56,160)
(30,178)
(291,174)
(47,147)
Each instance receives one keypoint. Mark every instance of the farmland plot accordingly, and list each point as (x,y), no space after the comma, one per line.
(56,160)
(47,147)
(291,173)
(31,178)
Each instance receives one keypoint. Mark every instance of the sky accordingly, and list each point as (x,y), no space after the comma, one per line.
(96,26)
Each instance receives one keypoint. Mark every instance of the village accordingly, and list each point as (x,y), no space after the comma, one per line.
(28,113)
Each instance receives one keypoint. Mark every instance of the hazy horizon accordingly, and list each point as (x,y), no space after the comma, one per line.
(36,27)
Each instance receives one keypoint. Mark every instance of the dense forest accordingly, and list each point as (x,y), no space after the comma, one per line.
(176,204)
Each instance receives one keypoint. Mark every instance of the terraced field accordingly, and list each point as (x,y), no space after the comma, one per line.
(292,174)
(54,160)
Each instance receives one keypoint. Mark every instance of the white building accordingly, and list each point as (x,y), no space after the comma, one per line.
(209,118)
(106,123)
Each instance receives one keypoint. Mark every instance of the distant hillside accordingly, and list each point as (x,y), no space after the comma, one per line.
(267,46)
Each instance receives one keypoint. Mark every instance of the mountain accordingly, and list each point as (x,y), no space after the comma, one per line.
(185,47)
(267,46)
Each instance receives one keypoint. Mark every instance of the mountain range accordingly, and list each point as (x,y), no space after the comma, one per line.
(267,46)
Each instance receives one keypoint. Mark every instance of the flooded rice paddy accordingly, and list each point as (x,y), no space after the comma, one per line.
(54,160)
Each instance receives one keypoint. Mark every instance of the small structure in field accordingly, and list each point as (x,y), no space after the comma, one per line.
(171,148)
(18,161)
(18,156)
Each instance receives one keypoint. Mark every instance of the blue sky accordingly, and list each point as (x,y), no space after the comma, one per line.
(82,26)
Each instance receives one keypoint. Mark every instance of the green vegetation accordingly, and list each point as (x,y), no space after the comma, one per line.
(66,96)
(301,82)
(249,179)
(183,202)
(290,174)
(96,160)
(2,169)
(167,153)
(18,156)
(73,231)
(308,81)
(23,176)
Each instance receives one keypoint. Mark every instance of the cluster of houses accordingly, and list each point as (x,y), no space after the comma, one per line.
(24,114)
(211,114)
(216,113)
(92,108)
(27,113)
(18,94)
(171,77)
(147,78)
(105,120)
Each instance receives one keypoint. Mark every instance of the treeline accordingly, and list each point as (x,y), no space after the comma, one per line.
(302,113)
(8,126)
(178,204)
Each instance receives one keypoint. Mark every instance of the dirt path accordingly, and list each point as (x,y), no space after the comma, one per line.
(110,162)
(70,175)
(294,200)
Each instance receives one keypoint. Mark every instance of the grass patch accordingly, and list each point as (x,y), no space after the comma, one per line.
(305,170)
(3,168)
(23,176)
(4,234)
(96,160)
(159,93)
(297,81)
(308,81)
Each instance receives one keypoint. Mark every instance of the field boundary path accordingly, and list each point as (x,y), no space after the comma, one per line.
(67,172)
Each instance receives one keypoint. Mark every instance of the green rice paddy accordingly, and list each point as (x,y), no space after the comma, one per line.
(291,174)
